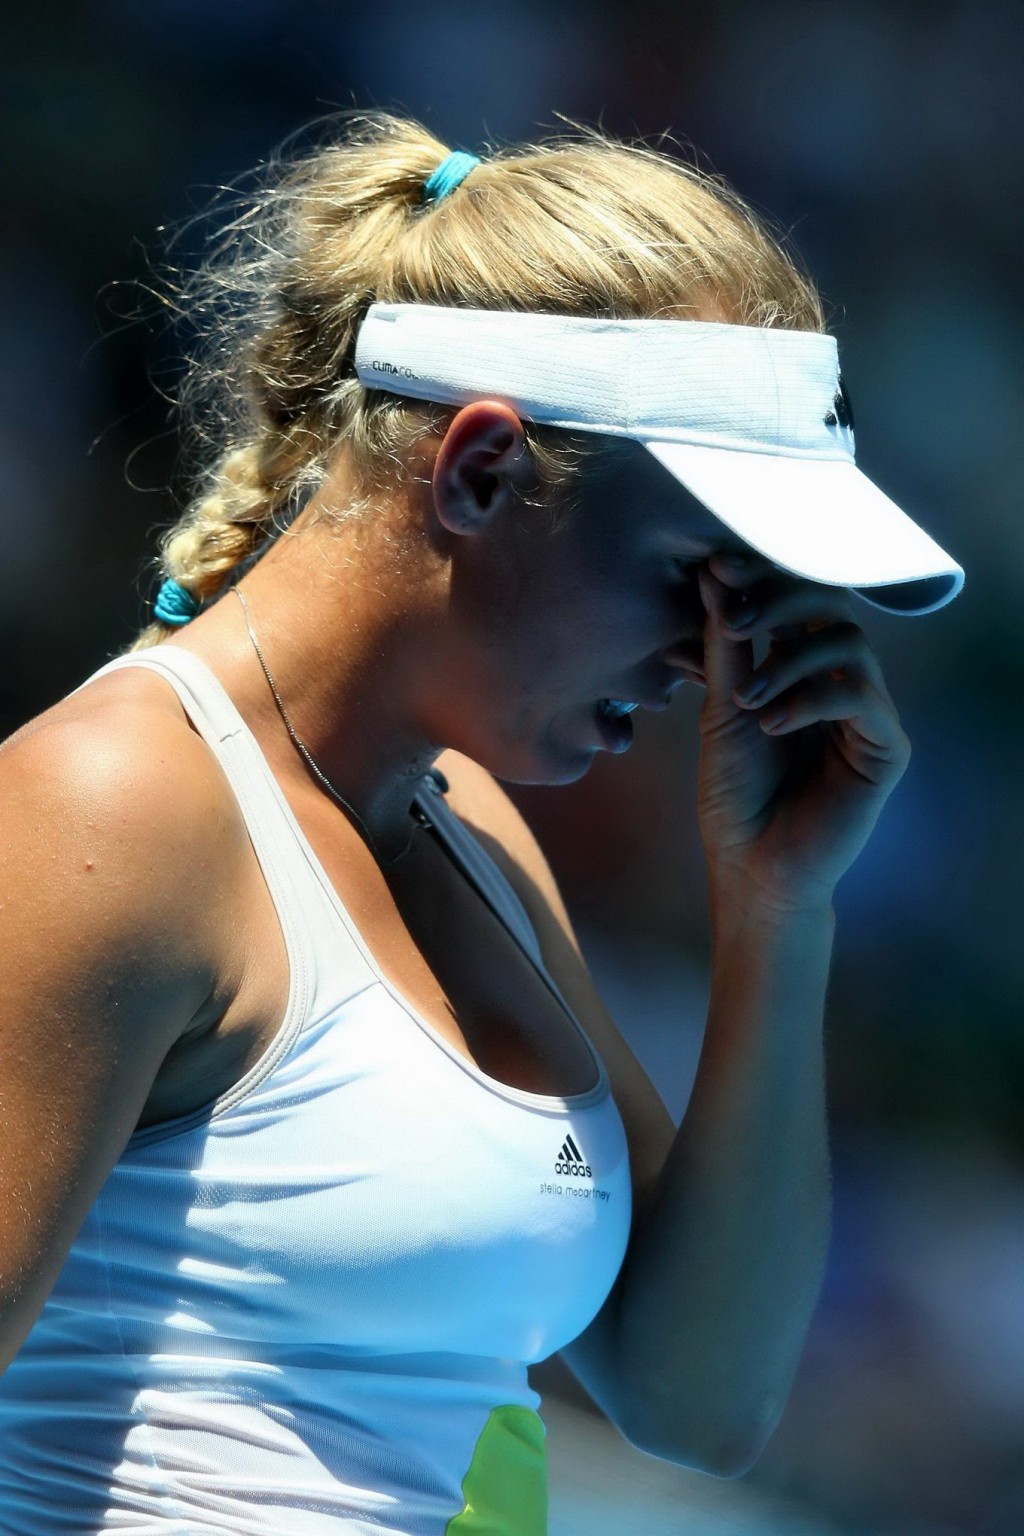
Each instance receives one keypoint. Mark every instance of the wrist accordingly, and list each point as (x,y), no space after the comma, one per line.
(736,899)
(753,938)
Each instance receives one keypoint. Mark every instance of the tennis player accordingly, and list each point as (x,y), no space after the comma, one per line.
(316,1132)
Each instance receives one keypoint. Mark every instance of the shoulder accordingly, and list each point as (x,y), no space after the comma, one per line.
(114,806)
(110,931)
(123,746)
(478,799)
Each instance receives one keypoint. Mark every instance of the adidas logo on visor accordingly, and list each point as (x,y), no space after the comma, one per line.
(570,1161)
(841,414)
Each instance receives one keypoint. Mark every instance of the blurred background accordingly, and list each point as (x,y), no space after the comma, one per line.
(887,138)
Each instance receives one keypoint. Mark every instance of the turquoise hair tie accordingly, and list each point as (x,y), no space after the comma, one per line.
(452,171)
(174,605)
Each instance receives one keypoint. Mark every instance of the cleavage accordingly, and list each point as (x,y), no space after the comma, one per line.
(512,1025)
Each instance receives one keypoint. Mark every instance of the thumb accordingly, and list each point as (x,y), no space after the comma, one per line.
(728,662)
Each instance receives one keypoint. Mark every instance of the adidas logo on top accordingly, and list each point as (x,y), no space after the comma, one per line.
(571,1162)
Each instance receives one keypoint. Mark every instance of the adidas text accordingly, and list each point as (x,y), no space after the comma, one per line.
(570,1161)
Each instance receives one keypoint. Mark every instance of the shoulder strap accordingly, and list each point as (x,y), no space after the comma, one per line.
(495,888)
(264,809)
(478,866)
(267,814)
(207,702)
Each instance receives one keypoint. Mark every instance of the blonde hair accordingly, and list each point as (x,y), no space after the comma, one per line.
(579,224)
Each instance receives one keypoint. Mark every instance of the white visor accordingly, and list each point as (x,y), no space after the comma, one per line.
(753,421)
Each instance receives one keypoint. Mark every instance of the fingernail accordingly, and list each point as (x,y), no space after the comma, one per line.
(736,561)
(753,690)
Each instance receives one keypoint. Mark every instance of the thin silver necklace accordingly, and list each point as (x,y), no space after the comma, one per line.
(418,818)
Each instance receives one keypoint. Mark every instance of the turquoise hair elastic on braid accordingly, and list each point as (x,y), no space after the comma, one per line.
(174,605)
(452,171)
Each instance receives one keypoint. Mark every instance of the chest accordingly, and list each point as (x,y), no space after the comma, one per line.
(433,936)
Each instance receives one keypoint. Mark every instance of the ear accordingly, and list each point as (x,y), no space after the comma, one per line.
(478,465)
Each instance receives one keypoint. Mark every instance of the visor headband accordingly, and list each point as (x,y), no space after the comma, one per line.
(750,388)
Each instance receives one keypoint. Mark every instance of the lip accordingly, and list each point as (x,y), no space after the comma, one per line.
(615,733)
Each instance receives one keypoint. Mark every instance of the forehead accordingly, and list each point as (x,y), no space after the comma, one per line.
(640,494)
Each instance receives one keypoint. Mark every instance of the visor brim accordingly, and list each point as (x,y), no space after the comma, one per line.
(822,519)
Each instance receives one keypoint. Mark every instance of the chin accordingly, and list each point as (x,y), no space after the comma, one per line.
(548,759)
(527,750)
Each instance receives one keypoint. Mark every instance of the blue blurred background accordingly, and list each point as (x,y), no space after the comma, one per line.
(888,140)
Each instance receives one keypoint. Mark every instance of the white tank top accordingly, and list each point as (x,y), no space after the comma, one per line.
(308,1307)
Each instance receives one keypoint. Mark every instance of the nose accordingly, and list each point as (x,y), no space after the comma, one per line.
(685,652)
(686,659)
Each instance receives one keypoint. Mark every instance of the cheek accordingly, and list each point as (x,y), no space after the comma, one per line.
(584,620)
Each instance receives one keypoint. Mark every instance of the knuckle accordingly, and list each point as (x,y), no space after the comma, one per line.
(853,684)
(837,687)
(848,644)
(811,608)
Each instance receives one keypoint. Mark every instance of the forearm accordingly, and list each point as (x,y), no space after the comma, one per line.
(723,1274)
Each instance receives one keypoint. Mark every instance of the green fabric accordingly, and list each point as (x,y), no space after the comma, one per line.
(506,1487)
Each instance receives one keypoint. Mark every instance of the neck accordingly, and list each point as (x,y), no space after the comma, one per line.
(345,622)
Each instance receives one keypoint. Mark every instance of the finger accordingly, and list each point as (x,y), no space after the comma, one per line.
(726,663)
(775,606)
(852,699)
(834,648)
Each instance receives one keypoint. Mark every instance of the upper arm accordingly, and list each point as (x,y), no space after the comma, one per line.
(105,966)
(479,800)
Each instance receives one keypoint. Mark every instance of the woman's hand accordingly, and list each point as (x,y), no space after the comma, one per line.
(784,809)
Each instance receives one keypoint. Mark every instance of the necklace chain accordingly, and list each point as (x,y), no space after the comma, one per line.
(307,755)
